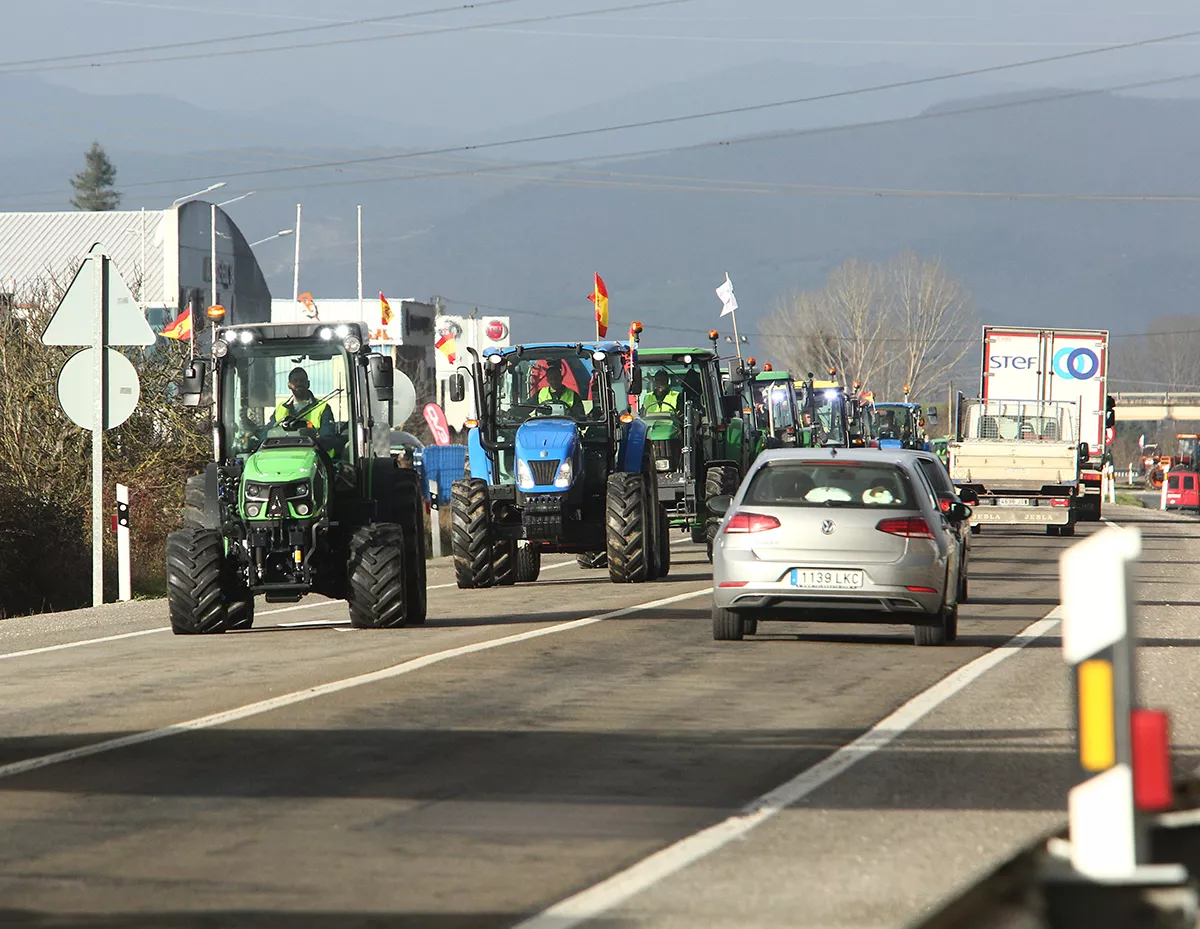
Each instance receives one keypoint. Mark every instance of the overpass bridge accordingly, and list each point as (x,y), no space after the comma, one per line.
(1133,407)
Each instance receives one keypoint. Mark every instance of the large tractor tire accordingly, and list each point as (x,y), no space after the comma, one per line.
(721,480)
(591,560)
(504,562)
(409,506)
(239,614)
(664,543)
(629,530)
(529,562)
(195,594)
(376,575)
(470,534)
(193,501)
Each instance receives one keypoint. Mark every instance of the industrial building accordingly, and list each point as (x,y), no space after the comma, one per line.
(165,256)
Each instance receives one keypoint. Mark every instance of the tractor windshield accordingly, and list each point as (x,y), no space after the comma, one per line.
(826,411)
(678,381)
(894,422)
(545,384)
(778,403)
(284,388)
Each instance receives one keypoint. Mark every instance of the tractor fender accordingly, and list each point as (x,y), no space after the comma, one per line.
(632,450)
(477,457)
(212,498)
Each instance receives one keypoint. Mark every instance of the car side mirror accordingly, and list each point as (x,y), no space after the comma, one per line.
(720,504)
(192,380)
(968,496)
(382,376)
(458,388)
(635,381)
(958,512)
(731,406)
(931,416)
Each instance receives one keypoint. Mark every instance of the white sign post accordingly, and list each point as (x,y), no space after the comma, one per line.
(124,575)
(98,301)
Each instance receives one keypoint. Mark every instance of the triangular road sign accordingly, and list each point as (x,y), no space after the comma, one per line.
(73,320)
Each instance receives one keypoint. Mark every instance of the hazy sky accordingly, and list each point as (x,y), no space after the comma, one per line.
(502,75)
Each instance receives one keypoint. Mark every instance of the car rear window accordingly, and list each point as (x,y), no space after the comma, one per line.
(830,484)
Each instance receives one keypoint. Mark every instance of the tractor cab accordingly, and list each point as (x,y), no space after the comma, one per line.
(902,425)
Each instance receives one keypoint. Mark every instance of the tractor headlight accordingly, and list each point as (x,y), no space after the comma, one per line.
(326,334)
(562,480)
(524,475)
(353,343)
(299,490)
(662,464)
(303,509)
(253,509)
(257,491)
(220,348)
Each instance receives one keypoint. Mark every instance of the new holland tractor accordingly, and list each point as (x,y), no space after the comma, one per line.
(902,425)
(559,462)
(303,495)
(699,445)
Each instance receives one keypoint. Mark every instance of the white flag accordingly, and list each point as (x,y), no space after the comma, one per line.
(728,300)
(1142,440)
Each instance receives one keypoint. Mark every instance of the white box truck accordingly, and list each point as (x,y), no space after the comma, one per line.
(1041,390)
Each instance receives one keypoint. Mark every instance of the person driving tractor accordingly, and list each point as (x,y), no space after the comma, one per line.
(318,416)
(663,401)
(555,391)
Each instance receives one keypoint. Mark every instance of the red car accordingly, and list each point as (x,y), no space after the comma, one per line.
(1183,491)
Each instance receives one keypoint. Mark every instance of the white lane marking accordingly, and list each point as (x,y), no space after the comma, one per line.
(58,648)
(285,609)
(321,690)
(622,886)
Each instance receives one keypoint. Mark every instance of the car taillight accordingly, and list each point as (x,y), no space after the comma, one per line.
(751,522)
(1060,501)
(911,527)
(944,503)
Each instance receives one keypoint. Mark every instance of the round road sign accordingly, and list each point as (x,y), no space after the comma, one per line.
(77,388)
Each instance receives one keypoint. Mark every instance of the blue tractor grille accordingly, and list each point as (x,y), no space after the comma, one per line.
(544,470)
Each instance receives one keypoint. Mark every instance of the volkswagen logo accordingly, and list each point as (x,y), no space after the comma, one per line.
(828,526)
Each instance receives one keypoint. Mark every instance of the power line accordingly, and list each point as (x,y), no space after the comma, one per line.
(576,133)
(328,43)
(249,36)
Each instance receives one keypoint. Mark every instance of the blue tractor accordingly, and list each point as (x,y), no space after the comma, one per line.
(558,462)
(902,425)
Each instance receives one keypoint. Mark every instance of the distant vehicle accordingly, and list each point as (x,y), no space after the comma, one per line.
(1057,366)
(1183,491)
(838,535)
(902,425)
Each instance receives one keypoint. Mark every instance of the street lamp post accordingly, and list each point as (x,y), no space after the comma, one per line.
(280,234)
(249,193)
(198,193)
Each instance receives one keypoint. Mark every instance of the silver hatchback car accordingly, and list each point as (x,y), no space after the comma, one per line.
(837,535)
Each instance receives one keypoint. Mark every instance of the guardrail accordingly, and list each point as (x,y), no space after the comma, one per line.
(1162,398)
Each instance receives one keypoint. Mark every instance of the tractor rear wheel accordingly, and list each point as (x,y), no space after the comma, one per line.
(721,481)
(376,573)
(195,598)
(664,543)
(193,501)
(591,560)
(504,562)
(409,507)
(469,534)
(529,562)
(628,528)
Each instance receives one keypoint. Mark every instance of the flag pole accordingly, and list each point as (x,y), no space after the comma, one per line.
(737,340)
(360,290)
(296,261)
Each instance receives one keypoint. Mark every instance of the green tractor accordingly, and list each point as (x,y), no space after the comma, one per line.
(699,446)
(303,495)
(774,399)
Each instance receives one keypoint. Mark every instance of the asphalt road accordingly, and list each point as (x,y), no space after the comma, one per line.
(571,740)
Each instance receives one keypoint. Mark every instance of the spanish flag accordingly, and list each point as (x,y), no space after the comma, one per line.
(445,345)
(599,296)
(385,311)
(180,327)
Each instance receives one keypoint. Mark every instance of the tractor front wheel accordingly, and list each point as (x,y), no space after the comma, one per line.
(504,562)
(591,560)
(721,481)
(376,574)
(628,528)
(529,562)
(195,598)
(469,534)
(409,507)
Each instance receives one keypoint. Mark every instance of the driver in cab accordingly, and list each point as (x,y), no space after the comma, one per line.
(663,400)
(555,391)
(318,416)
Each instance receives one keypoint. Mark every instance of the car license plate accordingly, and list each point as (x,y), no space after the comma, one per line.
(822,579)
(1013,501)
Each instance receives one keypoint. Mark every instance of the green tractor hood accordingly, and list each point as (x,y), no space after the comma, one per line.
(283,482)
(273,465)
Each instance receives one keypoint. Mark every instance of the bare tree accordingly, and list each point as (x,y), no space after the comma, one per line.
(905,322)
